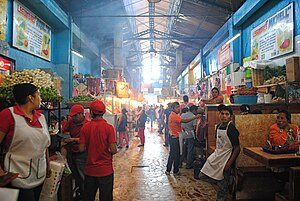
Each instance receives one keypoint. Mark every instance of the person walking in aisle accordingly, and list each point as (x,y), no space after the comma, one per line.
(98,138)
(165,121)
(141,130)
(76,159)
(174,128)
(221,163)
(189,136)
(25,137)
(123,129)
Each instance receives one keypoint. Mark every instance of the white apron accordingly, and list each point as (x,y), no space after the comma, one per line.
(26,153)
(215,163)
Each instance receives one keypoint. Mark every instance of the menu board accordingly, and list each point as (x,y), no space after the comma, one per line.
(275,36)
(3,13)
(30,33)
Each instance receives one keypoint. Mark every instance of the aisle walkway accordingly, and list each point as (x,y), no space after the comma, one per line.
(139,174)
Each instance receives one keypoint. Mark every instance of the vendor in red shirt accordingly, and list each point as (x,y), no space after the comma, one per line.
(216,97)
(25,136)
(76,159)
(98,138)
(174,124)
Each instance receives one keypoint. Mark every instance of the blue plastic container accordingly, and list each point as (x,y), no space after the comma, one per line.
(245,99)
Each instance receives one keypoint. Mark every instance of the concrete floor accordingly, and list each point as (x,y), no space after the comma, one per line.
(139,174)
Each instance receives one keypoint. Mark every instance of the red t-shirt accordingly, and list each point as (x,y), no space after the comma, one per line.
(174,124)
(7,124)
(97,135)
(74,130)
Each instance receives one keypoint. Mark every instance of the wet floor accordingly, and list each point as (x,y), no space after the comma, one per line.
(139,174)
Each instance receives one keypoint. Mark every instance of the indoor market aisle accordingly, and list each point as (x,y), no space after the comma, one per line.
(139,174)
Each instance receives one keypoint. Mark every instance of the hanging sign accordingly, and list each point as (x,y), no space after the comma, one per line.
(30,33)
(3,14)
(122,90)
(224,57)
(275,36)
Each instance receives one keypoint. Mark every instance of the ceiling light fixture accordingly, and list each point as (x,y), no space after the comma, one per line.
(233,38)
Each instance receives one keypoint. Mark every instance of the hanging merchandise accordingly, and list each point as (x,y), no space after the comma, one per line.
(248,76)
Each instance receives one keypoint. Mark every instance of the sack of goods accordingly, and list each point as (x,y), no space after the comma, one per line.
(51,185)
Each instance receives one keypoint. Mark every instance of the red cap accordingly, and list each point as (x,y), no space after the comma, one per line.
(75,109)
(97,107)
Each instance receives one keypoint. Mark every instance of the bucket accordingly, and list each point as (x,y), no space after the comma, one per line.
(260,98)
(268,98)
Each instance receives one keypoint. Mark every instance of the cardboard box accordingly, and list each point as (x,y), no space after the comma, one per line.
(292,69)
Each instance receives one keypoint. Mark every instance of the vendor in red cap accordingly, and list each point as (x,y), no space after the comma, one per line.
(24,134)
(98,138)
(77,159)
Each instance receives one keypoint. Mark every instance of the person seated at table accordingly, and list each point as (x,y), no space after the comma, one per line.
(216,97)
(283,133)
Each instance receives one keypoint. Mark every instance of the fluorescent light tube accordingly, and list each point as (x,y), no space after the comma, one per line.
(233,38)
(76,53)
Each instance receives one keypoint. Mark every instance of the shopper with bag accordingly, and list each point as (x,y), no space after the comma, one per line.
(24,132)
(98,138)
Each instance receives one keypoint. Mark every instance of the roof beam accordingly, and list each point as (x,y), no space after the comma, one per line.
(213,5)
(170,38)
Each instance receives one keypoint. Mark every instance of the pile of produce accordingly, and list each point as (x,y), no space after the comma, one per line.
(81,99)
(36,77)
(274,75)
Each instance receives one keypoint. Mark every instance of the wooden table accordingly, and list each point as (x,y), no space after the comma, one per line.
(279,160)
(272,160)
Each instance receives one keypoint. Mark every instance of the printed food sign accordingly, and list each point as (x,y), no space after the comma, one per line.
(224,57)
(274,37)
(122,89)
(3,8)
(30,33)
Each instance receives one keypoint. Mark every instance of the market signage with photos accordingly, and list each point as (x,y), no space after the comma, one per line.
(30,33)
(122,90)
(224,57)
(275,36)
(3,13)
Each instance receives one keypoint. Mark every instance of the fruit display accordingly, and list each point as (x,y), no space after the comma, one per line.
(37,77)
(246,91)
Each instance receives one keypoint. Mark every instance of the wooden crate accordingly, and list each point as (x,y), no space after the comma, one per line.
(257,77)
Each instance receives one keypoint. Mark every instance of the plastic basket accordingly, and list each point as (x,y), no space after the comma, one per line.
(245,99)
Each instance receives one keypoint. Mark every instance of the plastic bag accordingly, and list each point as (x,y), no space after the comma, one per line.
(51,185)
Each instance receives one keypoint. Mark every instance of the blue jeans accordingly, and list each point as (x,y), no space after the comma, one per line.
(223,184)
(77,167)
(188,151)
(104,184)
(167,136)
(174,155)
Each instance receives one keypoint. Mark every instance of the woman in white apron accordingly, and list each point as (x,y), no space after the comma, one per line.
(26,141)
(217,165)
